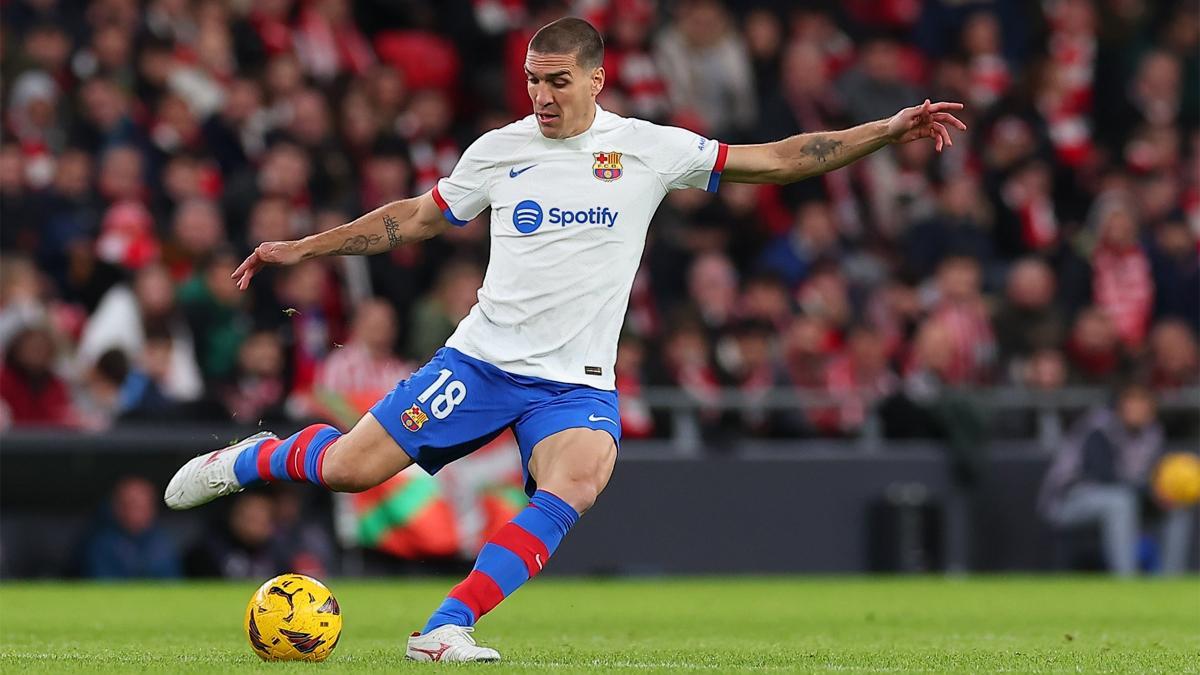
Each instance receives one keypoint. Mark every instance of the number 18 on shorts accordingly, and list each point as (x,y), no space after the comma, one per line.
(456,404)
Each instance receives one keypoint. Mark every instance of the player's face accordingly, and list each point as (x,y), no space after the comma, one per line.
(563,93)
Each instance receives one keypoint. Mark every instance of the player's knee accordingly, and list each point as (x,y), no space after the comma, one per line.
(579,491)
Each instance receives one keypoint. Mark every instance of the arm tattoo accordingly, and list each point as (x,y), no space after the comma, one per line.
(822,148)
(358,244)
(393,231)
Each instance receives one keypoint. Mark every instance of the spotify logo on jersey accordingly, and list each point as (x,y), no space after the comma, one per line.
(527,216)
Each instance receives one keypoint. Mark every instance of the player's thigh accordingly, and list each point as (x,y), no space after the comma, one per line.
(574,464)
(364,457)
(451,407)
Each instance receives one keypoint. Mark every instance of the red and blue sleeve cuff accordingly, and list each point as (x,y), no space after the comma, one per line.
(714,179)
(445,207)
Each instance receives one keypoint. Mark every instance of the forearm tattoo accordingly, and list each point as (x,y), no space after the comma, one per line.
(393,231)
(358,244)
(822,148)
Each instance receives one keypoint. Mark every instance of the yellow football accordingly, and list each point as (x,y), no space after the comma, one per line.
(1177,478)
(293,618)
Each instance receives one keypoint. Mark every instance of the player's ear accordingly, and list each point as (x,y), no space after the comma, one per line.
(597,80)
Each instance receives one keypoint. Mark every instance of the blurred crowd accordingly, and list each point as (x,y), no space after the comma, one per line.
(263,533)
(149,145)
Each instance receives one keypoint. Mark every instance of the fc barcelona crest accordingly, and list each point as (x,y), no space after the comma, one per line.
(414,418)
(607,166)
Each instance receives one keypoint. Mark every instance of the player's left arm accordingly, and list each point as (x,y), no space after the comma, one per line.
(806,155)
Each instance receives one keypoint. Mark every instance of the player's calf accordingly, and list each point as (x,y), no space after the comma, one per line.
(576,461)
(515,554)
(298,458)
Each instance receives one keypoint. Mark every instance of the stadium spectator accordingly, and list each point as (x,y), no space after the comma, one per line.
(876,83)
(901,192)
(986,67)
(302,533)
(311,315)
(16,202)
(637,421)
(426,127)
(121,175)
(258,387)
(352,377)
(962,320)
(21,297)
(631,71)
(47,48)
(800,99)
(145,390)
(686,364)
(812,239)
(808,345)
(197,230)
(1099,478)
(1123,286)
(1176,269)
(34,394)
(826,295)
(127,541)
(745,356)
(98,402)
(713,287)
(1174,361)
(766,298)
(236,133)
(212,307)
(71,218)
(1027,320)
(32,117)
(1095,351)
(857,378)
(958,227)
(1043,371)
(927,405)
(127,313)
(328,43)
(311,125)
(244,547)
(707,70)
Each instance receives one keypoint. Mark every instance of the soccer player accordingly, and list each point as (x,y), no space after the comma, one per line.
(571,189)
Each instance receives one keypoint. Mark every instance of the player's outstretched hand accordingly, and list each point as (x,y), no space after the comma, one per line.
(267,253)
(928,120)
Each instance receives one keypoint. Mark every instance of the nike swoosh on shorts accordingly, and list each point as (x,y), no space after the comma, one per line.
(596,418)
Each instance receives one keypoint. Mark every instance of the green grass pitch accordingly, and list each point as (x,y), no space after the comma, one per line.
(718,625)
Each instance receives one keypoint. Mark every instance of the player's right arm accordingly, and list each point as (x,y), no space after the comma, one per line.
(385,228)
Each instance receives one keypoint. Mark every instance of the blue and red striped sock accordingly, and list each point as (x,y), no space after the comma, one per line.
(295,458)
(514,555)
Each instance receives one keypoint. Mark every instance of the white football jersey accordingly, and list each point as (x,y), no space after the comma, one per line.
(568,225)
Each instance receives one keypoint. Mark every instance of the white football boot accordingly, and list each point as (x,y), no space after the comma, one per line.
(449,643)
(208,476)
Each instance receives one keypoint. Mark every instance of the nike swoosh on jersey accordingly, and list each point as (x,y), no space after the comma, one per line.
(595,418)
(514,172)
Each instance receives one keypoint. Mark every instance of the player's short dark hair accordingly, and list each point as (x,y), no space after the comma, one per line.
(570,35)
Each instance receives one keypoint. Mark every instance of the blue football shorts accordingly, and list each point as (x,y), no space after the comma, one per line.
(456,404)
